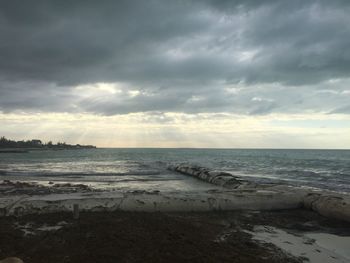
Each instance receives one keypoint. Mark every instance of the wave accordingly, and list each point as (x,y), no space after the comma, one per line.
(76,174)
(313,175)
(297,172)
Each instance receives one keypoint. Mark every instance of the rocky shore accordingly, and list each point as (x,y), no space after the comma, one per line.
(234,218)
(20,198)
(330,204)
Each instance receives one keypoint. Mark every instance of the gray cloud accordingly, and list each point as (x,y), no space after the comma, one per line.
(183,56)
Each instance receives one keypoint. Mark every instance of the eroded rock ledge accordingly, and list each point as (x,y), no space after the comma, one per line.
(224,179)
(235,194)
(329,204)
(326,203)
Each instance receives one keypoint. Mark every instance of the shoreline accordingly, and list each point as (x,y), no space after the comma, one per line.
(230,193)
(39,200)
(28,150)
(236,220)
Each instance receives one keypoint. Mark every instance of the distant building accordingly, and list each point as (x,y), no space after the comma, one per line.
(37,142)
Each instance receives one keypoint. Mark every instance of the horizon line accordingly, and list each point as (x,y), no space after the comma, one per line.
(224,148)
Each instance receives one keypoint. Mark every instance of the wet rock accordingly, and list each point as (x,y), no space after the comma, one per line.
(17,184)
(329,205)
(233,183)
(215,177)
(223,179)
(205,176)
(72,186)
(12,188)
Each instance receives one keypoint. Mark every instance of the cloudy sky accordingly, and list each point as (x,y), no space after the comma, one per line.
(177,73)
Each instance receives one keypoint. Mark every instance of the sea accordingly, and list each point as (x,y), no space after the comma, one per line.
(146,168)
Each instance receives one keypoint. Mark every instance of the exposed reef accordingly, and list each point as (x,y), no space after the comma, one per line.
(326,203)
(235,194)
(329,204)
(214,177)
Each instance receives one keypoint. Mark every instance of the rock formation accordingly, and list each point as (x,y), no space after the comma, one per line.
(326,203)
(224,179)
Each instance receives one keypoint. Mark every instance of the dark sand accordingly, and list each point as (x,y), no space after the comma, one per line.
(154,237)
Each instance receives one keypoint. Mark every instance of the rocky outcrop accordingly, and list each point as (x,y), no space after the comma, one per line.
(215,177)
(272,198)
(236,194)
(330,205)
(11,188)
(326,203)
(215,200)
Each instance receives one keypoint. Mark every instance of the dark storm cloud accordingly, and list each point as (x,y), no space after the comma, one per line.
(182,55)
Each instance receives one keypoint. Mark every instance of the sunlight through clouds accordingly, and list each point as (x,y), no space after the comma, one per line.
(185,130)
(212,74)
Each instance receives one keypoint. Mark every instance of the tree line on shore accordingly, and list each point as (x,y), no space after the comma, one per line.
(7,143)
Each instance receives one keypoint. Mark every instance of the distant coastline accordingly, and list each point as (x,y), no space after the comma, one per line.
(12,146)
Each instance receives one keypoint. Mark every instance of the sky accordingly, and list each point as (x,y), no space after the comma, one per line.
(177,73)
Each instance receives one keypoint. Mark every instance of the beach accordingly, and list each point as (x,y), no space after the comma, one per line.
(183,213)
(39,223)
(164,237)
(174,131)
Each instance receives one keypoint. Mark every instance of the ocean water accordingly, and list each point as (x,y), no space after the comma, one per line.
(147,168)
